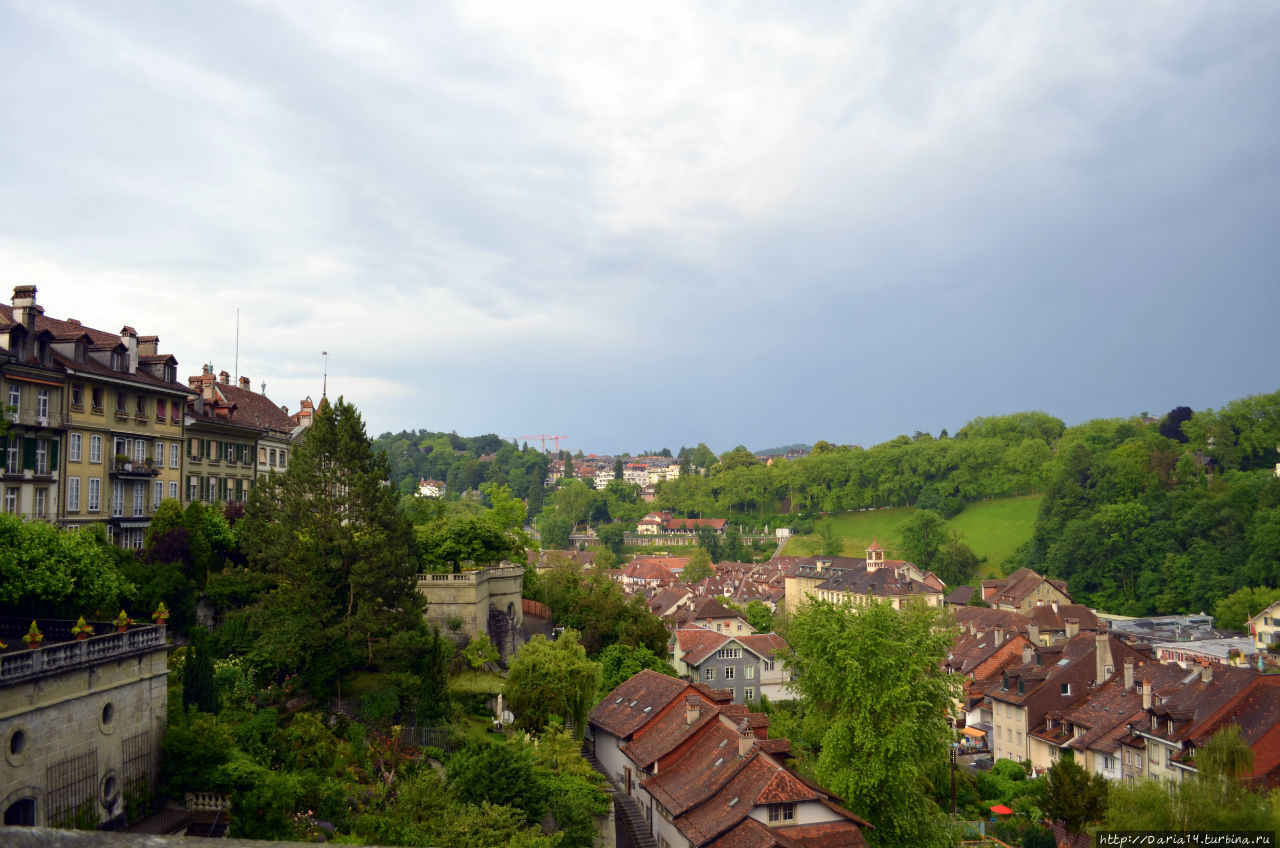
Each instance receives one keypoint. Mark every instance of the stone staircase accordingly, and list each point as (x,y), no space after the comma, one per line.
(632,831)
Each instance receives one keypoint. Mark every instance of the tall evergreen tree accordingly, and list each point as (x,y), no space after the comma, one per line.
(329,532)
(198,689)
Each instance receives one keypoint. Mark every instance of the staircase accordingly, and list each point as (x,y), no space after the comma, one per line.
(631,829)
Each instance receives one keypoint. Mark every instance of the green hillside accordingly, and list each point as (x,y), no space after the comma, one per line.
(993,529)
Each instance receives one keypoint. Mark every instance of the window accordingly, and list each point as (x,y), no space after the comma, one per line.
(11,500)
(751,672)
(42,456)
(117,499)
(174,451)
(193,488)
(160,406)
(174,415)
(73,494)
(141,407)
(231,452)
(708,674)
(139,498)
(74,444)
(95,448)
(262,456)
(159,454)
(157,494)
(121,446)
(782,812)
(749,694)
(15,397)
(1066,688)
(139,450)
(41,495)
(768,665)
(11,458)
(95,494)
(97,400)
(728,673)
(729,653)
(77,395)
(271,461)
(213,489)
(42,403)
(173,489)
(282,453)
(122,403)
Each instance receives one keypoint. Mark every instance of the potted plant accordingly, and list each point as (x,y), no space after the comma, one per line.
(161,615)
(82,629)
(33,637)
(122,621)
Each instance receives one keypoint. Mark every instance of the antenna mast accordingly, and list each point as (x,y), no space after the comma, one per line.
(237,368)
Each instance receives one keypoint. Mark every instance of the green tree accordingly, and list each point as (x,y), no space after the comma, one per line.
(479,653)
(832,544)
(198,690)
(48,571)
(484,772)
(922,536)
(613,538)
(1073,796)
(434,704)
(617,468)
(759,616)
(875,697)
(698,568)
(619,663)
(709,541)
(327,529)
(1234,611)
(552,679)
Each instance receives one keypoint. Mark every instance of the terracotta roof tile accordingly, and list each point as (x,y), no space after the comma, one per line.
(621,713)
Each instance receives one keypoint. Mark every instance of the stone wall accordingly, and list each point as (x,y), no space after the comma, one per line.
(487,600)
(80,726)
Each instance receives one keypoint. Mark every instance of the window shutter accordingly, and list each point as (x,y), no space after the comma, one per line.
(53,454)
(28,453)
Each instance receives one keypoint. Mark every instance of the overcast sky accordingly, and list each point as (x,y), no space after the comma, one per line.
(648,225)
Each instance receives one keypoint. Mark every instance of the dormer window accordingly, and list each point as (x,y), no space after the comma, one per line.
(119,362)
(171,373)
(82,351)
(1004,682)
(1021,688)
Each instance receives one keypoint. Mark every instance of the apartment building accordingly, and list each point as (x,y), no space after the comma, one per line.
(99,419)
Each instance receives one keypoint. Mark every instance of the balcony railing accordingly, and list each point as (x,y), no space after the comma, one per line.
(54,657)
(134,468)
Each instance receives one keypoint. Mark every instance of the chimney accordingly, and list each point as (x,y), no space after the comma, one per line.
(1206,671)
(245,384)
(224,377)
(1073,627)
(973,628)
(999,631)
(24,306)
(745,738)
(129,336)
(1128,673)
(1033,632)
(1054,604)
(1103,663)
(1146,694)
(692,709)
(1028,653)
(148,345)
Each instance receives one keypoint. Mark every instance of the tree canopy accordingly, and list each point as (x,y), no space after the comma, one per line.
(328,531)
(877,701)
(549,679)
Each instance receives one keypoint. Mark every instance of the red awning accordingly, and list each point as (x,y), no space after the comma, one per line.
(1001,810)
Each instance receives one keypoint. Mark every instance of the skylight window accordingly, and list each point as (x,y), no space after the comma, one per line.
(717,763)
(619,701)
(733,801)
(646,709)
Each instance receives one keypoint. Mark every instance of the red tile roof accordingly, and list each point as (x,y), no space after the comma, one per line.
(622,713)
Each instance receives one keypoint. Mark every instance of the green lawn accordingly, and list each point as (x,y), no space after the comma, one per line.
(994,529)
(471,683)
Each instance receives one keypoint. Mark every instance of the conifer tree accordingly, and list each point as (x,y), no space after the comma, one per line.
(329,532)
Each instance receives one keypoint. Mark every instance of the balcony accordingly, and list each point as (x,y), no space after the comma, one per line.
(27,417)
(134,469)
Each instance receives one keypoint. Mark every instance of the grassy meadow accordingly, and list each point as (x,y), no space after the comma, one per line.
(993,529)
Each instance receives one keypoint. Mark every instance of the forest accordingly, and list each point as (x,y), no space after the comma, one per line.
(1141,515)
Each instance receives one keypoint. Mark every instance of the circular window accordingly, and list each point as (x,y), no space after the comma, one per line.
(106,721)
(109,789)
(15,750)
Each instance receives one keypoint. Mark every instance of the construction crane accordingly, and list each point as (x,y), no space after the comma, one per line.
(542,437)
